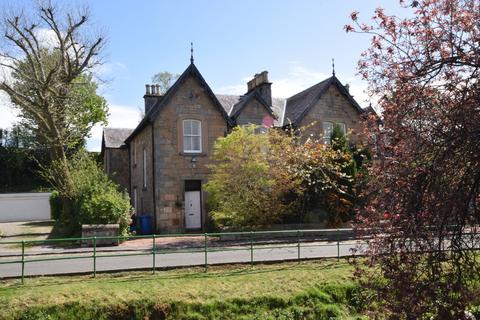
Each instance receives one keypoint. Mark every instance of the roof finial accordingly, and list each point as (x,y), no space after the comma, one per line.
(333,67)
(191,52)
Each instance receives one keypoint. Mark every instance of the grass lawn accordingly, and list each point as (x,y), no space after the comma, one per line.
(309,290)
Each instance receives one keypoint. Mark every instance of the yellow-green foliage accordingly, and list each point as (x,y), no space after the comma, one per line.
(260,179)
(249,179)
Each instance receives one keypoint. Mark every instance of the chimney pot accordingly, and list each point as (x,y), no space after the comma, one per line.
(157,86)
(347,86)
(260,83)
(258,79)
(147,91)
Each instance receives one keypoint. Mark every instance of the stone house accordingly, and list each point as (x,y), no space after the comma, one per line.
(163,162)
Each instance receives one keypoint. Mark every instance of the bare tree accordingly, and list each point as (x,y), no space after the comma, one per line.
(48,55)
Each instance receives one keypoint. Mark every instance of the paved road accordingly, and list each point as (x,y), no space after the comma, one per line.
(241,254)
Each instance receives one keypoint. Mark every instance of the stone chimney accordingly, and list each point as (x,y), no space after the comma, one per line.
(152,95)
(261,84)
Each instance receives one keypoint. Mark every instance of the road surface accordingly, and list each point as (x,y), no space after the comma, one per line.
(239,254)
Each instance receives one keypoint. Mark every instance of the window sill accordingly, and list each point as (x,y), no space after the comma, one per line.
(193,154)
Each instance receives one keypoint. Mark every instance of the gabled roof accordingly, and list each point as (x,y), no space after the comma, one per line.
(228,101)
(158,106)
(115,137)
(238,107)
(298,105)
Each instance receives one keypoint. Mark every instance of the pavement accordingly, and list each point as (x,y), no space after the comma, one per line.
(25,230)
(142,257)
(52,258)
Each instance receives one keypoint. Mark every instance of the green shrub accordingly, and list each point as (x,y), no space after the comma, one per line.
(56,205)
(102,206)
(95,198)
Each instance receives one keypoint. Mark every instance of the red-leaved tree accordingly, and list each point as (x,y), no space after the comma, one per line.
(423,193)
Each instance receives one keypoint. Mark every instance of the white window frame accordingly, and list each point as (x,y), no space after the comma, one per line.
(145,168)
(343,127)
(327,135)
(134,153)
(135,199)
(192,135)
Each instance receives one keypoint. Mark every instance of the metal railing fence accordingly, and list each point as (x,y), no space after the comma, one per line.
(252,241)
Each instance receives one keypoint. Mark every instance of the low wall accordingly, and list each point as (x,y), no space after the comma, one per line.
(24,206)
(305,234)
(100,230)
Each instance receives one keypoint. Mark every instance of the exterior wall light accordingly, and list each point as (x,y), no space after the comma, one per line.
(194,162)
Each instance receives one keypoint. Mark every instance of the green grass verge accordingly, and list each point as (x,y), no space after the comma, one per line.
(309,290)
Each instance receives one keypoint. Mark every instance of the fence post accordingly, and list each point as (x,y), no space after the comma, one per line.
(153,253)
(298,245)
(23,260)
(251,248)
(338,245)
(206,253)
(94,256)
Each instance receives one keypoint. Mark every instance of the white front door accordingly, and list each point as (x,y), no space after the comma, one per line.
(193,217)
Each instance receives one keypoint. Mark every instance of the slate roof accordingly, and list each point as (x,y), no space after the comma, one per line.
(237,108)
(298,105)
(231,104)
(285,111)
(228,101)
(155,109)
(115,137)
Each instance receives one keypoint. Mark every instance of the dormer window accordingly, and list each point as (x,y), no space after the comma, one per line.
(192,136)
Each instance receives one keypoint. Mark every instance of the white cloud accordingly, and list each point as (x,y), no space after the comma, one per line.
(297,79)
(8,116)
(46,38)
(120,117)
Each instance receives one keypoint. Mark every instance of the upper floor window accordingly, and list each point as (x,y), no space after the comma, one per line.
(327,132)
(192,136)
(343,127)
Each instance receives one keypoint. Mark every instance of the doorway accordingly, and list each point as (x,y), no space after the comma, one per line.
(193,204)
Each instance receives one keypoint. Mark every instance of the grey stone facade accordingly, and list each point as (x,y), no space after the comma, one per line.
(332,107)
(159,171)
(115,156)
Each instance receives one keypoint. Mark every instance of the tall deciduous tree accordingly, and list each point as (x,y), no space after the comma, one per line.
(165,79)
(425,195)
(49,55)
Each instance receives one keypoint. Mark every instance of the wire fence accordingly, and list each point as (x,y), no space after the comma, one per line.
(183,250)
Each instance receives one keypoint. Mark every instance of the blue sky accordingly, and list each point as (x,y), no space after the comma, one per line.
(294,40)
